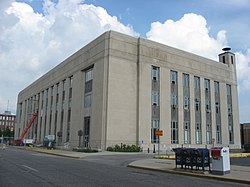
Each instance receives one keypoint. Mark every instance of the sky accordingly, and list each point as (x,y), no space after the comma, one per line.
(36,35)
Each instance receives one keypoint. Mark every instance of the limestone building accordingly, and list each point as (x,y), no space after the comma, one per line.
(121,89)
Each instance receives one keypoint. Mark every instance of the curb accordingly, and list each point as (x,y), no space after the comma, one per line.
(51,153)
(192,174)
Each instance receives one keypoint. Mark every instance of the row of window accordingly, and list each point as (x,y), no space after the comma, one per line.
(186,106)
(54,91)
(155,101)
(7,118)
(6,123)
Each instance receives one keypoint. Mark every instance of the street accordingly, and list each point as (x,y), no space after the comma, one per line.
(23,168)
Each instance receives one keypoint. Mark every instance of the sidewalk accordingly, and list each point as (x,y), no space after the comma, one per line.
(71,154)
(239,174)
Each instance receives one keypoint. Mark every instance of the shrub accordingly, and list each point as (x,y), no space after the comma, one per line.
(124,148)
(247,148)
(87,150)
(110,149)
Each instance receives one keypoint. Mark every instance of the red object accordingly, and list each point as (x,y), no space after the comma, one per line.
(28,126)
(215,152)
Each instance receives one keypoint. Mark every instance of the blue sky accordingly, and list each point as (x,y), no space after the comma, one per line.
(37,35)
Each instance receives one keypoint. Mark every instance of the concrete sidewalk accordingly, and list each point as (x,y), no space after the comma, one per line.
(239,174)
(72,154)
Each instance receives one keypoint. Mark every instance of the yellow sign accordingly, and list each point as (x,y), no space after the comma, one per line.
(159,132)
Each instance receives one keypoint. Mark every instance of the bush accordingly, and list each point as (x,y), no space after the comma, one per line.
(87,150)
(110,149)
(247,148)
(124,148)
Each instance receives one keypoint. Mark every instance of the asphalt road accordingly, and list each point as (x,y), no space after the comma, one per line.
(22,168)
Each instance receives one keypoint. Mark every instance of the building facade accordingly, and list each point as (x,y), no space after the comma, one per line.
(121,89)
(245,133)
(7,120)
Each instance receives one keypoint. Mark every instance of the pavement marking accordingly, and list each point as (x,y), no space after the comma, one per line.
(30,168)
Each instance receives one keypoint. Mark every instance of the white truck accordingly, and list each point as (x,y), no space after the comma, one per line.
(28,142)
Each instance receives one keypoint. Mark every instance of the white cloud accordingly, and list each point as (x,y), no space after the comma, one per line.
(32,43)
(190,33)
(243,70)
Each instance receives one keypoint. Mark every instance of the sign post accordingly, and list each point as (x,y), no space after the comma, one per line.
(159,133)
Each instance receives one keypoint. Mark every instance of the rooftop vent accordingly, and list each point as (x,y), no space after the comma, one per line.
(226,49)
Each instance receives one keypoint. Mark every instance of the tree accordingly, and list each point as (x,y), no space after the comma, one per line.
(7,133)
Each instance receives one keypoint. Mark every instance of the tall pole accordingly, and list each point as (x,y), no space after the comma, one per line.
(158,145)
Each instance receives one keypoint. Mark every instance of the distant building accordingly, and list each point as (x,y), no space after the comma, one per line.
(121,89)
(7,120)
(245,133)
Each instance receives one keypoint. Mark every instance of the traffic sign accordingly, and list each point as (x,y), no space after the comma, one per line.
(159,132)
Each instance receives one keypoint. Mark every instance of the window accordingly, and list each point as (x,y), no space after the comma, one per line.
(186,102)
(173,77)
(89,75)
(185,80)
(86,131)
(70,81)
(198,133)
(155,73)
(216,87)
(55,127)
(51,103)
(155,98)
(218,134)
(61,127)
(57,100)
(174,132)
(64,82)
(52,90)
(174,100)
(68,126)
(197,104)
(154,138)
(224,59)
(197,82)
(209,133)
(155,124)
(57,88)
(230,116)
(88,87)
(87,101)
(207,84)
(217,108)
(187,133)
(207,105)
(70,88)
(228,89)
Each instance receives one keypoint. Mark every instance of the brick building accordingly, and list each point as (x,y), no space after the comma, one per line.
(7,120)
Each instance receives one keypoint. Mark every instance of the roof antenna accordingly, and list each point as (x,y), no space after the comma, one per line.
(226,49)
